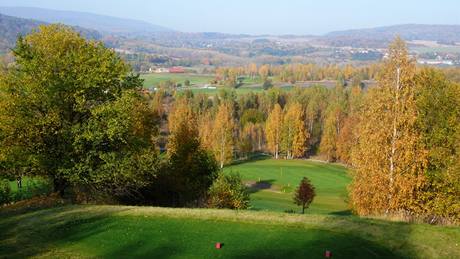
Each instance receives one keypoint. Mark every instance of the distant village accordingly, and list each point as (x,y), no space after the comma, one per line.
(172,70)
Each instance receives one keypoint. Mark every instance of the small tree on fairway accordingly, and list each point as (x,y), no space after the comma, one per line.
(304,194)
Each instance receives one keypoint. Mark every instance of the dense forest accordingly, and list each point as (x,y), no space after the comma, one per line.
(71,110)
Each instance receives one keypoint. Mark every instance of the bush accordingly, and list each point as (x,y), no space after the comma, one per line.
(228,191)
(267,84)
(5,192)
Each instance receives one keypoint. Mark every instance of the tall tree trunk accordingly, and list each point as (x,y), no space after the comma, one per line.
(276,151)
(394,137)
(59,185)
(222,149)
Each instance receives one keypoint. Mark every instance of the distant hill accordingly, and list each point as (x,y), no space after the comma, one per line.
(105,24)
(381,36)
(12,27)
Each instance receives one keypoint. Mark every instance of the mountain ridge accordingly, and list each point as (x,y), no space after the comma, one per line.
(446,33)
(101,23)
(11,27)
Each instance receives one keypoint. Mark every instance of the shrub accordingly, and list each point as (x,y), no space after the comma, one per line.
(228,191)
(5,192)
(267,84)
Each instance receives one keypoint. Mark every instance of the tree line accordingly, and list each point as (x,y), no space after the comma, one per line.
(72,111)
(400,138)
(292,73)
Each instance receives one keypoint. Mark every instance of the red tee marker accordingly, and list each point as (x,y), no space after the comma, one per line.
(328,254)
(218,245)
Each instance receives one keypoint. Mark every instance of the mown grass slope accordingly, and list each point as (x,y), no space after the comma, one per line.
(121,232)
(275,180)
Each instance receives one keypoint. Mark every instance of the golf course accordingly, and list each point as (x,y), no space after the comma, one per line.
(263,231)
(272,182)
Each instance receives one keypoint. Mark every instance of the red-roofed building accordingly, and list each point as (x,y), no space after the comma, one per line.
(176,70)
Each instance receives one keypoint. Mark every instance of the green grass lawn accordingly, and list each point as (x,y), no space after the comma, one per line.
(143,232)
(281,177)
(153,79)
(82,231)
(30,187)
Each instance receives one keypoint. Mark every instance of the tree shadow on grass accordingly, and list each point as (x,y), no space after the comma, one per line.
(252,158)
(39,232)
(254,186)
(345,237)
(36,232)
(341,213)
(143,250)
(340,245)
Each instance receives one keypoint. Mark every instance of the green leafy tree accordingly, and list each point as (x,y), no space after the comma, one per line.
(228,191)
(440,129)
(191,168)
(267,84)
(5,192)
(65,113)
(115,148)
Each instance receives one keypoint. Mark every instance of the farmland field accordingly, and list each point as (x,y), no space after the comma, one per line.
(151,80)
(275,180)
(240,90)
(439,49)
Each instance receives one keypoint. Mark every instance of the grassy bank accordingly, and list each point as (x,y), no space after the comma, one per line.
(118,231)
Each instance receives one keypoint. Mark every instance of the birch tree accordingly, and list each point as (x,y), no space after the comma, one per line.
(273,130)
(389,156)
(223,134)
(294,134)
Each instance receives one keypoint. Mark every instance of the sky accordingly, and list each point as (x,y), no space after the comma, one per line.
(264,16)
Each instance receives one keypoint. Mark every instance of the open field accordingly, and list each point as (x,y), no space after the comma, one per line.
(239,91)
(151,80)
(439,49)
(119,231)
(199,81)
(274,181)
